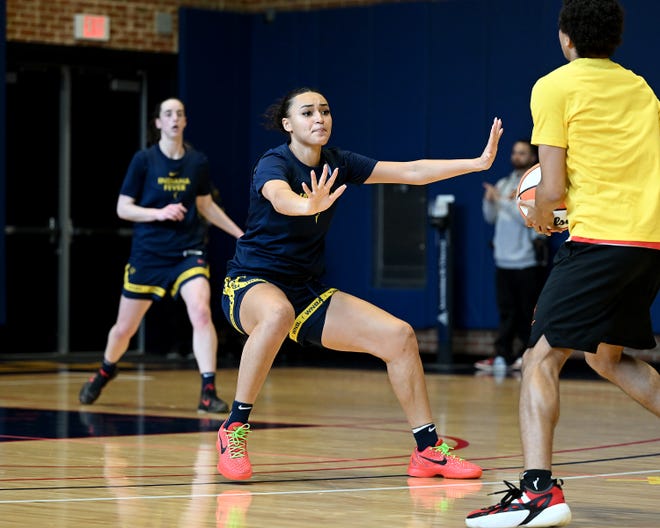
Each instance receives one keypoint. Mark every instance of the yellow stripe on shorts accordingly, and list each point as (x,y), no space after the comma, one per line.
(307,312)
(141,288)
(230,287)
(197,270)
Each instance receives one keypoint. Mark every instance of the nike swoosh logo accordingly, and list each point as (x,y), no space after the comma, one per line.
(244,407)
(439,462)
(223,448)
(431,429)
(206,402)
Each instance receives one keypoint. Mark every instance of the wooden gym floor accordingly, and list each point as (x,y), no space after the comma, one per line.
(329,445)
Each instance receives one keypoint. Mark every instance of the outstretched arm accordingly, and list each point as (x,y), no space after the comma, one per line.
(421,172)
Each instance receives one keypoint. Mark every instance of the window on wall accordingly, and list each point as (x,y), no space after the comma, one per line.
(400,225)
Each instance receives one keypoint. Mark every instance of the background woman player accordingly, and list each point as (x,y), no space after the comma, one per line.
(166,188)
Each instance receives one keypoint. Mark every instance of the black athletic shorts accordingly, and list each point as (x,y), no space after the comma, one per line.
(310,300)
(598,294)
(154,277)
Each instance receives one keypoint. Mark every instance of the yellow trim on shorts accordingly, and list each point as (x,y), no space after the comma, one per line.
(307,312)
(141,288)
(229,288)
(197,270)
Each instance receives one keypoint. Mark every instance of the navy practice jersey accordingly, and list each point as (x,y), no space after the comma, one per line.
(291,247)
(154,180)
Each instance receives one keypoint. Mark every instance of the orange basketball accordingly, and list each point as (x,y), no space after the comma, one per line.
(527,192)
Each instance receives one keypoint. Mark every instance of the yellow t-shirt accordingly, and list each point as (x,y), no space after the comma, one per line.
(608,120)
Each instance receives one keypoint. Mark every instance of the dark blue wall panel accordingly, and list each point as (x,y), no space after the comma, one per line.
(358,76)
(214,70)
(404,81)
(459,120)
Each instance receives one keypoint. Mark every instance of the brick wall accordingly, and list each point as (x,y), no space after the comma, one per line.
(133,23)
(472,342)
(479,343)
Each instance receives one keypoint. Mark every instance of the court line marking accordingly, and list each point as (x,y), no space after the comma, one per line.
(80,376)
(305,492)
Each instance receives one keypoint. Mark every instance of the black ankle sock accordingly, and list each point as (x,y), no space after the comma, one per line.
(240,412)
(108,368)
(105,373)
(537,479)
(208,382)
(425,436)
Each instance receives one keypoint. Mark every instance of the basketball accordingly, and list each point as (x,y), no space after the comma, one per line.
(527,192)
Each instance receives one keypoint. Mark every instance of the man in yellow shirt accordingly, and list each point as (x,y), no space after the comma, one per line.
(597,126)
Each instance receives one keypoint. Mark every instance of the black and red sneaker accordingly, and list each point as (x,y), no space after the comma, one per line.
(209,401)
(91,389)
(524,507)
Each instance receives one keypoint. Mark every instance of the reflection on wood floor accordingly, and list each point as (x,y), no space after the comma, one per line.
(330,447)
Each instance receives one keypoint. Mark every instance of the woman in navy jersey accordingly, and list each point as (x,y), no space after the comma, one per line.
(273,289)
(165,190)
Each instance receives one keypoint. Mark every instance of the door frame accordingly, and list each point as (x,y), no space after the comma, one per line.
(60,229)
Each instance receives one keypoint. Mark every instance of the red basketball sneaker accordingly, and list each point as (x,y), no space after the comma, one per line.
(233,460)
(524,507)
(436,460)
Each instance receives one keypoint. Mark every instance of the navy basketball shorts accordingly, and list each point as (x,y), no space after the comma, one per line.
(598,293)
(152,278)
(310,300)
